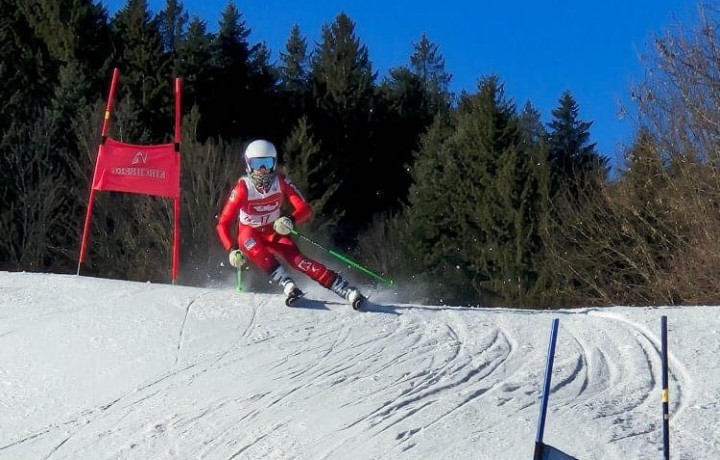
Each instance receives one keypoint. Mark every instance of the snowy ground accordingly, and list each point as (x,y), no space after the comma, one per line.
(100,369)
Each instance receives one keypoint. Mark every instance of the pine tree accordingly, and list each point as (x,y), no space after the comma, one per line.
(26,70)
(72,30)
(486,141)
(476,202)
(410,99)
(26,67)
(531,127)
(294,77)
(294,67)
(403,115)
(303,160)
(194,53)
(71,97)
(223,114)
(239,104)
(532,207)
(144,70)
(575,161)
(429,65)
(428,215)
(172,22)
(343,89)
(263,97)
(51,55)
(233,49)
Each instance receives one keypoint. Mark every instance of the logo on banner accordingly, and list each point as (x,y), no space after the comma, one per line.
(140,157)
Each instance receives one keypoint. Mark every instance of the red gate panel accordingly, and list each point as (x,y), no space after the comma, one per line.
(144,169)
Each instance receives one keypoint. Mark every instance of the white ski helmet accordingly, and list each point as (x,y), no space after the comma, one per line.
(260,148)
(261,162)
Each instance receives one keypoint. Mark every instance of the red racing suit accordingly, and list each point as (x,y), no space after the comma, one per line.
(255,211)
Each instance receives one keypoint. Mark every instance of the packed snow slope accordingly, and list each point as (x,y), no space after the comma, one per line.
(101,369)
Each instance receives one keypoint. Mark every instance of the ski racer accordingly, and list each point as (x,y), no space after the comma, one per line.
(255,204)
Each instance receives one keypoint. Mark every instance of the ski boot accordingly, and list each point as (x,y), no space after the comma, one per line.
(347,292)
(292,292)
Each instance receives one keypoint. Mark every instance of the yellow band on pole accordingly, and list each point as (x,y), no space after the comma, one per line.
(665,395)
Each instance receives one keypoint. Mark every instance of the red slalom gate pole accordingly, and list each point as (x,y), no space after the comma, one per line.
(103,138)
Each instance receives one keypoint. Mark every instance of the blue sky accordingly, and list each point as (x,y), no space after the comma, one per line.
(538,49)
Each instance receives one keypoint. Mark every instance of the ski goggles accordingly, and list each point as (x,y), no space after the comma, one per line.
(256,164)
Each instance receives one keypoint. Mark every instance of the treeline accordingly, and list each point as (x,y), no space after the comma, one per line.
(461,198)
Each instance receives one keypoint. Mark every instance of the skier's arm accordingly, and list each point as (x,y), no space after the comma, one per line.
(301,209)
(228,216)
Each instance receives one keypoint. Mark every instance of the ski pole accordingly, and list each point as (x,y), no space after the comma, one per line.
(353,264)
(240,261)
(239,286)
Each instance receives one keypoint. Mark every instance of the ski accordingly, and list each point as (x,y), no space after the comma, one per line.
(299,300)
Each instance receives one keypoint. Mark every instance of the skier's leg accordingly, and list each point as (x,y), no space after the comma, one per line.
(327,278)
(286,248)
(256,249)
(341,287)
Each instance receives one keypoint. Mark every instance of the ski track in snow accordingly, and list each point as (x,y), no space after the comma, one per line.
(241,376)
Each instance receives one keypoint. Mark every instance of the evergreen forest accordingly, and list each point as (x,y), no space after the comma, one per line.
(463,199)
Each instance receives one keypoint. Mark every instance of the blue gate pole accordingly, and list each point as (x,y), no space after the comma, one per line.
(546,391)
(665,395)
